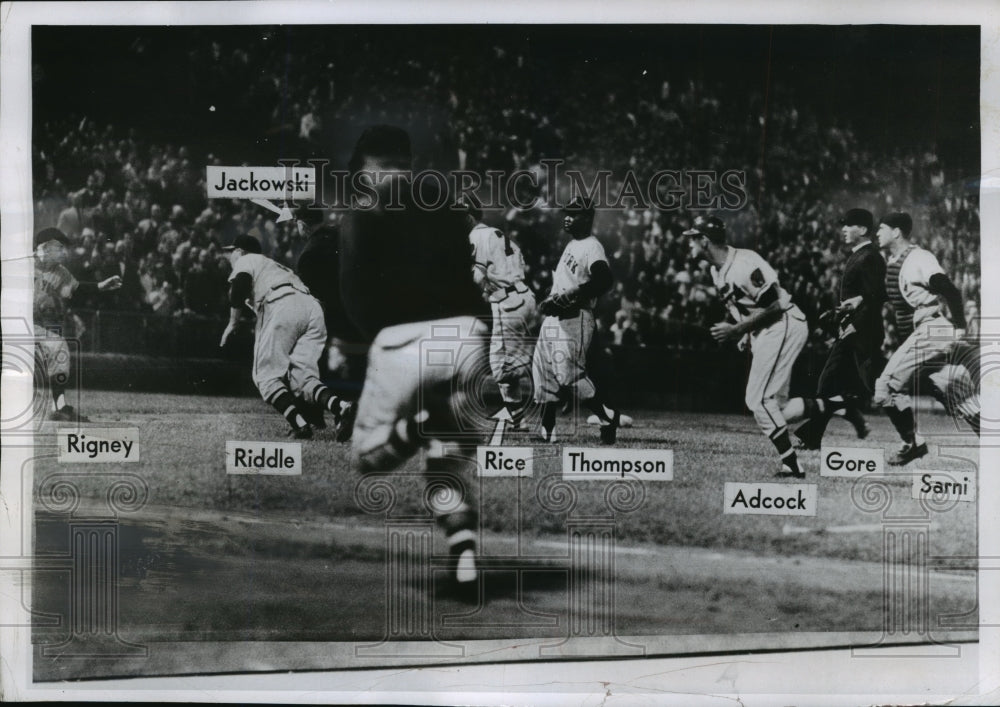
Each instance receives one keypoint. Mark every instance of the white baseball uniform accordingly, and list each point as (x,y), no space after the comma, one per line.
(561,352)
(923,328)
(501,264)
(290,333)
(740,281)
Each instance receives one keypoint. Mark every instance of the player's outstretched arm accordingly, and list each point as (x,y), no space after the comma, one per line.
(941,284)
(240,290)
(724,331)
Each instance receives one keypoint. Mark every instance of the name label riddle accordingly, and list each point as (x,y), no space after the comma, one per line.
(593,464)
(505,461)
(98,444)
(260,182)
(942,485)
(851,462)
(280,458)
(770,499)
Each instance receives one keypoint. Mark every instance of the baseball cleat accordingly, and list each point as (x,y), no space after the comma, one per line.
(345,420)
(908,453)
(787,473)
(301,432)
(863,431)
(68,413)
(609,431)
(547,435)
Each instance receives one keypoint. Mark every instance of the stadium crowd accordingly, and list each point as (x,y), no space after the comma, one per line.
(136,207)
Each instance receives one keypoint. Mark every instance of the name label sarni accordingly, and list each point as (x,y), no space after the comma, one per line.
(278,458)
(98,444)
(944,485)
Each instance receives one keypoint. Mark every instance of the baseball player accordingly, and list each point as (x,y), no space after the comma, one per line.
(54,286)
(498,270)
(844,382)
(914,282)
(766,321)
(406,282)
(289,335)
(559,363)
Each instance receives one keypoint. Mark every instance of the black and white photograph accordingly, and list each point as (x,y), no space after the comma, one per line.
(378,358)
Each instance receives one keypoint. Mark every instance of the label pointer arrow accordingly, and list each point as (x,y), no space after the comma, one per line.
(284,213)
(503,417)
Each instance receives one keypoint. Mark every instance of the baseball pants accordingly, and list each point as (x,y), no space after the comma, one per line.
(775,349)
(930,340)
(511,342)
(288,343)
(561,356)
(53,353)
(420,366)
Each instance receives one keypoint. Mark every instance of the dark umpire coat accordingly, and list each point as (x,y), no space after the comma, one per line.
(864,275)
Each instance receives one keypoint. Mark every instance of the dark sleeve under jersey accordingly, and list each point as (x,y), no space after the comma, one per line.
(240,289)
(600,280)
(940,284)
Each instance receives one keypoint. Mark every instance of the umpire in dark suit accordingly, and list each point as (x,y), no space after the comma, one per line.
(846,381)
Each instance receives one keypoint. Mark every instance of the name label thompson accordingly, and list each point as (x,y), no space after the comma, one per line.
(98,444)
(283,458)
(770,499)
(589,463)
(851,462)
(942,485)
(505,461)
(260,182)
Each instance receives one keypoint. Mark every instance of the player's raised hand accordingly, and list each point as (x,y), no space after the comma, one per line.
(112,283)
(723,331)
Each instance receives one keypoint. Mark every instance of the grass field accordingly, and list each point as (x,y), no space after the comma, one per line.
(216,557)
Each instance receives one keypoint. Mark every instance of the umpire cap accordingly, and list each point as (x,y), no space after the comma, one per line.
(244,242)
(51,234)
(859,217)
(709,226)
(900,220)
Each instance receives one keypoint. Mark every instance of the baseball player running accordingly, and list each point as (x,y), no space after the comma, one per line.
(289,335)
(914,281)
(845,380)
(559,364)
(498,270)
(406,281)
(54,286)
(766,320)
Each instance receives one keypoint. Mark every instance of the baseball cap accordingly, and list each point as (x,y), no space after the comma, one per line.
(579,205)
(50,234)
(709,226)
(900,220)
(244,242)
(858,217)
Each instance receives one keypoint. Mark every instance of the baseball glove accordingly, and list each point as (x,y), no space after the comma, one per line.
(555,305)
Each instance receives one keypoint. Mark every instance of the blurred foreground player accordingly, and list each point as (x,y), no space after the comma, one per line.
(54,286)
(289,335)
(767,321)
(845,382)
(559,365)
(914,282)
(406,281)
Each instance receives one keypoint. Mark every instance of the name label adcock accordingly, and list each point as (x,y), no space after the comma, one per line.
(770,499)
